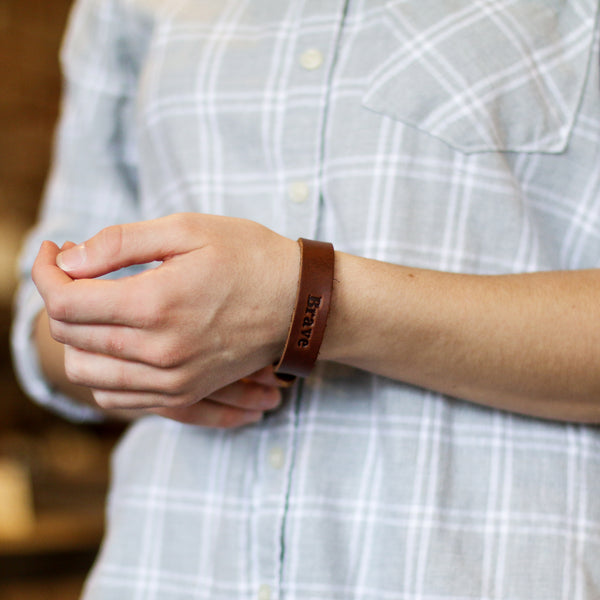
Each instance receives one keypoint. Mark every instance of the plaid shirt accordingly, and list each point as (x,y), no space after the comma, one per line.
(460,135)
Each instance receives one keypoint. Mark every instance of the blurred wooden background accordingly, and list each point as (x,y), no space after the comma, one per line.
(58,470)
(30,32)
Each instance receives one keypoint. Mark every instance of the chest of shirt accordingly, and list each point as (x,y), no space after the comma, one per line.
(385,125)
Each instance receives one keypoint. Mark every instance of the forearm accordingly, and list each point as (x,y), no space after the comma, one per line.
(527,343)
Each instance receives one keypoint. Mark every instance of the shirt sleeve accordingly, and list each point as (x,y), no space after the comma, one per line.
(93,178)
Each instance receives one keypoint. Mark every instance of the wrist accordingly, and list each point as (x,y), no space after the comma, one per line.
(335,346)
(358,305)
(309,317)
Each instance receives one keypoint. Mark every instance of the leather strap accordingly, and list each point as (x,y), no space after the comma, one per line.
(312,308)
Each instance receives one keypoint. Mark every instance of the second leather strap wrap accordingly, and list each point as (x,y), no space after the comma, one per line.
(312,308)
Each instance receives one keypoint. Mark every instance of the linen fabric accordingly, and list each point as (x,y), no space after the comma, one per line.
(460,135)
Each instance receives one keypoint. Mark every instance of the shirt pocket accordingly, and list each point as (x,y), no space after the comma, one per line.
(495,75)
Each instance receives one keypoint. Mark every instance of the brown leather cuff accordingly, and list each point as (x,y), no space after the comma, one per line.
(312,308)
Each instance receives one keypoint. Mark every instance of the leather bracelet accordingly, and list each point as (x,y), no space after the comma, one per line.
(312,308)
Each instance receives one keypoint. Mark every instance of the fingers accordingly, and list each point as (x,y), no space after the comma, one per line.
(130,301)
(125,301)
(133,344)
(46,275)
(119,246)
(210,414)
(127,343)
(64,300)
(129,384)
(156,340)
(205,413)
(248,395)
(108,373)
(134,301)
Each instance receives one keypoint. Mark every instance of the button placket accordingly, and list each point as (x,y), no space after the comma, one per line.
(301,142)
(271,488)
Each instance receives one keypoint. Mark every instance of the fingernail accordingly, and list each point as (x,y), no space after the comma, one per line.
(72,258)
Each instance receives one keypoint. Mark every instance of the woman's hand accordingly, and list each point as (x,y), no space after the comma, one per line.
(185,336)
(218,309)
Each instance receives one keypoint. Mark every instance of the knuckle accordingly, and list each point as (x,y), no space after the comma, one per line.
(229,418)
(110,239)
(57,331)
(35,273)
(57,308)
(120,376)
(152,311)
(115,345)
(153,355)
(146,318)
(73,371)
(166,356)
(173,357)
(181,401)
(176,383)
(183,223)
(105,400)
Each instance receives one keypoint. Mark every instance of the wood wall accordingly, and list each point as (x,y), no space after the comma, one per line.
(51,561)
(30,34)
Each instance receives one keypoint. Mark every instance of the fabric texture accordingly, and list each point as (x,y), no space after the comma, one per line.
(460,135)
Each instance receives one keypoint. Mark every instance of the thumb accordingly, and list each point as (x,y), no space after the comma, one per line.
(120,246)
(67,245)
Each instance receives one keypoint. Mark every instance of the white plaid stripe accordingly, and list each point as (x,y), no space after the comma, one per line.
(386,491)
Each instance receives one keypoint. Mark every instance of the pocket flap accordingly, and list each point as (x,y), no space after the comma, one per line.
(485,75)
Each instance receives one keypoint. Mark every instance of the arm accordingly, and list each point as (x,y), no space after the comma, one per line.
(524,343)
(528,343)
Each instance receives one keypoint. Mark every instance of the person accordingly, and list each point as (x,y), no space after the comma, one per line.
(445,445)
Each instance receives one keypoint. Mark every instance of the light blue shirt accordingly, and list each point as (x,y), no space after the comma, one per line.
(459,135)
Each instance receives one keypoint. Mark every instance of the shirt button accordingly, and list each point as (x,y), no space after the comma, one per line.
(264,592)
(276,458)
(298,192)
(311,59)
